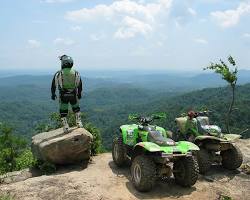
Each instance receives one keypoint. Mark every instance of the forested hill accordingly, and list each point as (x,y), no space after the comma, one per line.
(108,104)
(215,99)
(154,80)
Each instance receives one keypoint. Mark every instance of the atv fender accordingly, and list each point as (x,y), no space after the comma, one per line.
(202,138)
(149,146)
(232,137)
(189,145)
(213,143)
(227,138)
(182,146)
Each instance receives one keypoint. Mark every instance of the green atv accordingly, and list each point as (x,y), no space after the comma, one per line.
(150,151)
(215,147)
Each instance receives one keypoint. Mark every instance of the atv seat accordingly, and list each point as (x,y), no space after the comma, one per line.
(156,137)
(205,128)
(202,123)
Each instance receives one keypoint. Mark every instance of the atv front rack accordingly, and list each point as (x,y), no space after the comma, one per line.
(172,155)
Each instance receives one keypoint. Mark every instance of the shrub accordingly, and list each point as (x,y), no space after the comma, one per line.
(96,146)
(25,160)
(14,154)
(6,197)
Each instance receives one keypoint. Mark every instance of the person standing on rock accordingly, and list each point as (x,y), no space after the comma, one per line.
(69,84)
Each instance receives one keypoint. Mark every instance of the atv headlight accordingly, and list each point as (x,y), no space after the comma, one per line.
(171,143)
(216,129)
(130,132)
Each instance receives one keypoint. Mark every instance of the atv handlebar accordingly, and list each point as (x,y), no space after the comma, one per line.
(133,117)
(199,113)
(159,116)
(204,113)
(147,120)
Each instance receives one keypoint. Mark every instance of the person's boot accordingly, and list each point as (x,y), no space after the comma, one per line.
(79,120)
(65,125)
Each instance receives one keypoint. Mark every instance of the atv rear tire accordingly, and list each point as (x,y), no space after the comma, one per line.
(204,161)
(143,171)
(186,171)
(118,152)
(231,158)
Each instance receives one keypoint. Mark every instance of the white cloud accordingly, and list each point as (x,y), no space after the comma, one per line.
(229,18)
(64,41)
(131,27)
(76,28)
(124,8)
(97,37)
(201,40)
(246,35)
(135,17)
(192,11)
(57,1)
(34,43)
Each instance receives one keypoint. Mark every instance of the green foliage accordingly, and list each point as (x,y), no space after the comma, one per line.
(231,77)
(224,70)
(224,197)
(6,197)
(14,153)
(96,146)
(25,160)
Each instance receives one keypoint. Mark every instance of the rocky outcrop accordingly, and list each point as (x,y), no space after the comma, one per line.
(59,148)
(102,180)
(18,176)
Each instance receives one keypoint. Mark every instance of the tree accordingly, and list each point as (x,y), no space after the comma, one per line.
(230,76)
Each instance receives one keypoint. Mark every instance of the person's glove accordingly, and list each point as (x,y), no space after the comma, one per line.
(53,96)
(79,96)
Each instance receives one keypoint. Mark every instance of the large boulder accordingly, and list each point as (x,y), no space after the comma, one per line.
(59,148)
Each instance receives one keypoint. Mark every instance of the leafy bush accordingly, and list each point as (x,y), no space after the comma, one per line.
(6,197)
(224,197)
(25,160)
(96,146)
(14,153)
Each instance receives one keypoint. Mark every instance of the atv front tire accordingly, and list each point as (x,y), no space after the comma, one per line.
(231,158)
(186,171)
(204,161)
(143,171)
(118,152)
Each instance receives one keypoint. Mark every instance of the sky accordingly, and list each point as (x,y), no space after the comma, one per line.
(124,34)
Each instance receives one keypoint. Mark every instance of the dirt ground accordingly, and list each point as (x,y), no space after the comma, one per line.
(102,180)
